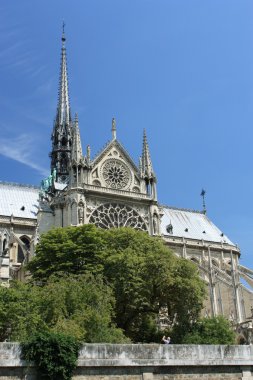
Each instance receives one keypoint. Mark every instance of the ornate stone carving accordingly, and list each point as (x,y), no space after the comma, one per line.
(111,215)
(155,224)
(116,174)
(81,213)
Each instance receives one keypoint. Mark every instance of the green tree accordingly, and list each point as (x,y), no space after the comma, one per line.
(186,297)
(144,274)
(215,330)
(140,270)
(69,250)
(80,306)
(54,354)
(19,312)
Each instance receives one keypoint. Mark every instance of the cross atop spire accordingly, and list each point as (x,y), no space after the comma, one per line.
(63,109)
(63,30)
(202,194)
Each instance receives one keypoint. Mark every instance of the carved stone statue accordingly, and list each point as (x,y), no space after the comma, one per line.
(50,180)
(155,224)
(54,174)
(80,213)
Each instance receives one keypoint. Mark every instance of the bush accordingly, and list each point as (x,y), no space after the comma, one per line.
(55,355)
(215,330)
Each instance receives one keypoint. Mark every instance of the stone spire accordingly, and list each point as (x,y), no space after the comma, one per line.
(147,168)
(76,151)
(63,115)
(113,128)
(62,131)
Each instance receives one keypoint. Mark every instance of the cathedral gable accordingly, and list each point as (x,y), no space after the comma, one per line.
(114,169)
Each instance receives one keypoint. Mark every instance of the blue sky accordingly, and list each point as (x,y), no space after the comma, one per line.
(182,69)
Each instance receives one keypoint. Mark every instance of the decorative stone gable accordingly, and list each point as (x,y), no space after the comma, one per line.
(114,169)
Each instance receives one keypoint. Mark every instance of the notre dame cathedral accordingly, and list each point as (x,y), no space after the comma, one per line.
(110,190)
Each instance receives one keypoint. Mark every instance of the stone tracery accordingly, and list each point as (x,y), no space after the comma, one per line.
(111,215)
(116,174)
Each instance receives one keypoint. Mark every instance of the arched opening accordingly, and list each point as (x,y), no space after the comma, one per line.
(26,241)
(64,141)
(21,255)
(63,163)
(74,171)
(4,244)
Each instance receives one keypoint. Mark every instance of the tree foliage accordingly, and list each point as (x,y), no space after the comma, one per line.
(215,330)
(143,273)
(19,312)
(80,306)
(72,250)
(54,354)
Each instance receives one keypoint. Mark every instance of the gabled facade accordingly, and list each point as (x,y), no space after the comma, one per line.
(108,191)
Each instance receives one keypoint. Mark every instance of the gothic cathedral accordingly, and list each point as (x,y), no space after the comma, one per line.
(110,190)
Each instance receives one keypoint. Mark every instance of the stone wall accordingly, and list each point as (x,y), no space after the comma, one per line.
(143,362)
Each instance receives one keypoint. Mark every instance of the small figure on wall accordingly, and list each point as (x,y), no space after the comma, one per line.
(166,340)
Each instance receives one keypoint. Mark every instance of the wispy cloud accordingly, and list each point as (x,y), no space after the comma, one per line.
(16,53)
(21,149)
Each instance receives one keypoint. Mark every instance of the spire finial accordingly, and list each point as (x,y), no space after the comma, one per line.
(88,153)
(144,136)
(76,149)
(147,169)
(202,194)
(63,108)
(113,128)
(63,38)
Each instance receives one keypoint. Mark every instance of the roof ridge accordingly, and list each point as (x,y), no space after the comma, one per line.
(182,209)
(121,146)
(19,185)
(101,150)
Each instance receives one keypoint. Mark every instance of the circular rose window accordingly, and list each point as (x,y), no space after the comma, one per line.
(116,174)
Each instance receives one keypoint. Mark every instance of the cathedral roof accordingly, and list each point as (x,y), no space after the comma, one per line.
(190,224)
(18,200)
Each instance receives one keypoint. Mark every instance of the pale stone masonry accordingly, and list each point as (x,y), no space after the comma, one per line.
(143,362)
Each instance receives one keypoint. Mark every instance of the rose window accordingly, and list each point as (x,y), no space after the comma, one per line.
(115,215)
(116,174)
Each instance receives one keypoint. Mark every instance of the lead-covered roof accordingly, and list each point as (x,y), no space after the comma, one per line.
(21,201)
(191,225)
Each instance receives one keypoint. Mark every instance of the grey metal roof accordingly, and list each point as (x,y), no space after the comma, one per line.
(191,225)
(19,200)
(60,186)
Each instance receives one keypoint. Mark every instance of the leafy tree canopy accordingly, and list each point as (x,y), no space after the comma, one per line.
(80,306)
(54,354)
(215,330)
(144,274)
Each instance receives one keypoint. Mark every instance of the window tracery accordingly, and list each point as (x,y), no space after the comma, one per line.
(116,174)
(111,215)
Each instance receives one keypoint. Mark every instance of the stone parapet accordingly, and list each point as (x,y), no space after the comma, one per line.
(143,362)
(136,355)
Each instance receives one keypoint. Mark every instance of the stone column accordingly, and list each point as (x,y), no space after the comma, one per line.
(213,296)
(236,284)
